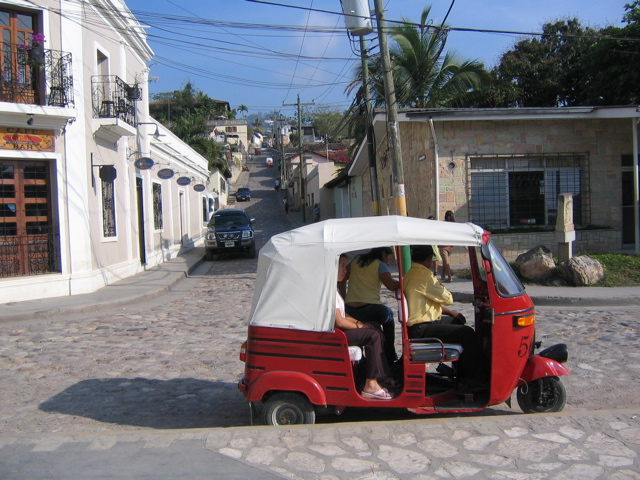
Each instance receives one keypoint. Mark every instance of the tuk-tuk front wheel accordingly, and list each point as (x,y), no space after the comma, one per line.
(543,395)
(288,409)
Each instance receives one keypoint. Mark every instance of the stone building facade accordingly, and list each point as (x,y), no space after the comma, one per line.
(503,169)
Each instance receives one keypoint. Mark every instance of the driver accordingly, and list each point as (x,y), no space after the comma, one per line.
(425,299)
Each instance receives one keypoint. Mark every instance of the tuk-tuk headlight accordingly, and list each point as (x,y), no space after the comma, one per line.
(524,320)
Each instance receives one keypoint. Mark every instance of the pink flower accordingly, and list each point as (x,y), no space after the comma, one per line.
(37,38)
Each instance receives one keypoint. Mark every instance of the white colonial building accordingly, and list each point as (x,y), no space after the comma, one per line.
(92,189)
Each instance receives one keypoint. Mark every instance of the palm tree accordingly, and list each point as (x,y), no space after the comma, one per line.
(423,77)
(194,131)
(257,123)
(243,109)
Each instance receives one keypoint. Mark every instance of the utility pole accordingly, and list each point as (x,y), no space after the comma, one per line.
(357,19)
(393,126)
(303,163)
(371,148)
(392,113)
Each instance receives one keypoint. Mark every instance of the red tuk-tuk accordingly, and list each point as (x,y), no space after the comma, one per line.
(298,364)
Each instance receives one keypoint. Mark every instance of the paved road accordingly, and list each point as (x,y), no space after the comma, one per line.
(149,391)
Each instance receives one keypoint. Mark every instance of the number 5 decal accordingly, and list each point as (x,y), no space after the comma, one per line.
(523,350)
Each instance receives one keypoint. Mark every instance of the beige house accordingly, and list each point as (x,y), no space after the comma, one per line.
(93,189)
(504,168)
(319,169)
(235,135)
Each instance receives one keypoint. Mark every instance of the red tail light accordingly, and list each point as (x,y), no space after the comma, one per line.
(243,352)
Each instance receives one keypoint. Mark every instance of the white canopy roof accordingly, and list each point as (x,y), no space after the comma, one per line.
(298,270)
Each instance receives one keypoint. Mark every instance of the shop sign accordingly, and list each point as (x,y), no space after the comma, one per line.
(166,173)
(13,138)
(199,187)
(144,163)
(183,181)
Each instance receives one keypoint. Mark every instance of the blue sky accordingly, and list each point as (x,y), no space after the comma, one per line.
(263,55)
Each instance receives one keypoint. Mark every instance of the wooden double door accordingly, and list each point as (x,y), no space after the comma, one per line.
(28,238)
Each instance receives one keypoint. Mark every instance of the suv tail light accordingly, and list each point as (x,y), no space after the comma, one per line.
(243,352)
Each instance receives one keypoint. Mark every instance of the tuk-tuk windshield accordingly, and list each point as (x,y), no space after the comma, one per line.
(507,283)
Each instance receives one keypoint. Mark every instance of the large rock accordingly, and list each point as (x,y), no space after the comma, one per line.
(582,271)
(536,264)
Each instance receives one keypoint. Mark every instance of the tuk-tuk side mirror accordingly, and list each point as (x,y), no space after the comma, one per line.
(486,254)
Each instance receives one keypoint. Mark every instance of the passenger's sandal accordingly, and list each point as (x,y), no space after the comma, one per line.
(381,394)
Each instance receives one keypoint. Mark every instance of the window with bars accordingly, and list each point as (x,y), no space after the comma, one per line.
(108,208)
(157,206)
(523,190)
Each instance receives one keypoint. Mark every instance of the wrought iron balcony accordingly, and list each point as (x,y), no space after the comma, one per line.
(35,75)
(113,98)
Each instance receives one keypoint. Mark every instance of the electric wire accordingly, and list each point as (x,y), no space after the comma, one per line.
(196,22)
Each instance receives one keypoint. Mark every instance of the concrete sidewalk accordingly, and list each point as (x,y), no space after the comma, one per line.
(144,286)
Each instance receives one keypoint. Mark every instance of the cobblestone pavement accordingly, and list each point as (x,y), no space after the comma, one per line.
(131,374)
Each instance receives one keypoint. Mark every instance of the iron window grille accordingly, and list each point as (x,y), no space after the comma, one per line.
(108,209)
(514,191)
(157,206)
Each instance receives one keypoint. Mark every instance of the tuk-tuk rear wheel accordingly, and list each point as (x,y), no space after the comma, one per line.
(543,395)
(288,408)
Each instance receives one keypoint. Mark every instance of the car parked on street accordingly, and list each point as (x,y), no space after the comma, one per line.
(230,231)
(243,194)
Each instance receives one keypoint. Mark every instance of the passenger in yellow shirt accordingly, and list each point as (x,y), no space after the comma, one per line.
(367,274)
(426,298)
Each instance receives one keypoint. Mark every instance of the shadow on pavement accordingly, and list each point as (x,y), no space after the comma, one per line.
(192,403)
(160,404)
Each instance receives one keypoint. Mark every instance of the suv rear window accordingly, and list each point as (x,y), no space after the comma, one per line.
(244,190)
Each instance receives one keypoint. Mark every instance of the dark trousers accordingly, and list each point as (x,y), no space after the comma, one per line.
(471,365)
(378,314)
(372,340)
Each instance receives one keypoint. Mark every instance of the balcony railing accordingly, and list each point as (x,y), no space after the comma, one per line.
(35,75)
(113,98)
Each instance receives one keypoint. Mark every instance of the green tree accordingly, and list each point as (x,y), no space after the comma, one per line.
(257,124)
(167,106)
(423,76)
(614,77)
(186,113)
(549,71)
(496,92)
(243,109)
(328,123)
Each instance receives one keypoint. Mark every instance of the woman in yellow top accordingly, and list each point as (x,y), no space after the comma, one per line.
(367,274)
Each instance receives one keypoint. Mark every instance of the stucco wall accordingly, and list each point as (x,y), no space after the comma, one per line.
(603,141)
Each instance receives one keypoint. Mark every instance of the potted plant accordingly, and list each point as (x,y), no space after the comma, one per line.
(134,92)
(33,54)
